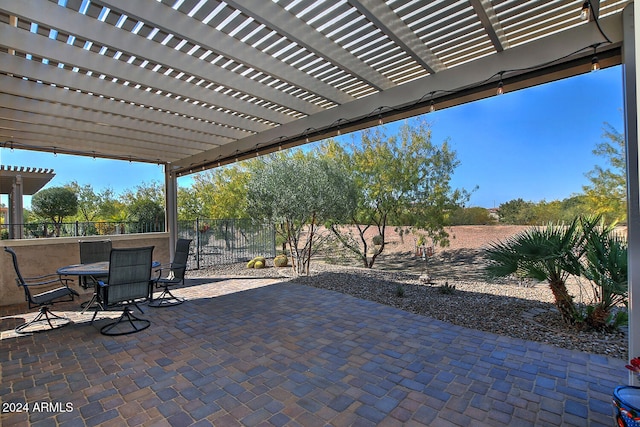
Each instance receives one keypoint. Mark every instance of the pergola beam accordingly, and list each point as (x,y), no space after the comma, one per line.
(56,115)
(523,57)
(487,15)
(159,15)
(63,78)
(57,95)
(43,47)
(296,30)
(387,20)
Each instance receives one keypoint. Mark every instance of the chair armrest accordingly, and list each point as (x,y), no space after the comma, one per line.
(169,266)
(46,279)
(162,267)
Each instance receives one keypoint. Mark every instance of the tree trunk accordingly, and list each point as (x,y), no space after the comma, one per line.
(564,301)
(597,319)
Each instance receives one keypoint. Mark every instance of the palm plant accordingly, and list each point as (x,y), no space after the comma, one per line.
(605,265)
(550,253)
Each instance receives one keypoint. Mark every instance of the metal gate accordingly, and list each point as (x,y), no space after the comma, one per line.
(227,241)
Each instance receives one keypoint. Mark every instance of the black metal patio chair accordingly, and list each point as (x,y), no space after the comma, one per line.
(174,276)
(42,291)
(93,251)
(128,283)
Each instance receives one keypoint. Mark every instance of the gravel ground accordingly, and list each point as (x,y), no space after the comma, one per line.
(505,307)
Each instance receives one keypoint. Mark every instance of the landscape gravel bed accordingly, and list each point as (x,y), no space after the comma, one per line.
(525,312)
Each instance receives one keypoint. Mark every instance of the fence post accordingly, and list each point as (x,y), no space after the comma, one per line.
(273,239)
(76,230)
(198,243)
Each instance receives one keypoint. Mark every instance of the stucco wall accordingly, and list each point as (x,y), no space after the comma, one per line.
(43,256)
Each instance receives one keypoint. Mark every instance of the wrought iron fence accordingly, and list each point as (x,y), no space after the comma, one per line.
(226,241)
(35,230)
(215,241)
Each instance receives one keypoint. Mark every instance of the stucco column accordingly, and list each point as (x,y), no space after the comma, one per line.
(631,79)
(171,208)
(16,217)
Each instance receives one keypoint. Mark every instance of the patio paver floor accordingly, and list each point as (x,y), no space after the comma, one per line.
(257,352)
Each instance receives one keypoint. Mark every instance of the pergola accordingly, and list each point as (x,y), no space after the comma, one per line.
(196,84)
(17,182)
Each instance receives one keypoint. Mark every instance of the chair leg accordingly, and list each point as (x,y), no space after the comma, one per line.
(166,299)
(137,324)
(44,315)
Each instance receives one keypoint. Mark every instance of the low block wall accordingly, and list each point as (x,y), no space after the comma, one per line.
(44,256)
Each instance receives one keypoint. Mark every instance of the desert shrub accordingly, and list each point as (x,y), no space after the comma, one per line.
(447,289)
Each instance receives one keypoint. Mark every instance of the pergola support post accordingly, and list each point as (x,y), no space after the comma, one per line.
(631,79)
(16,219)
(171,208)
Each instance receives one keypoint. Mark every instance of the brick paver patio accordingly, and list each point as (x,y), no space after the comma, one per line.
(257,352)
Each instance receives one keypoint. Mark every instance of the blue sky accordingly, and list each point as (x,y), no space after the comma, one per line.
(535,144)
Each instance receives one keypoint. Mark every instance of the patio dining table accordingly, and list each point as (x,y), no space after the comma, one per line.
(94,269)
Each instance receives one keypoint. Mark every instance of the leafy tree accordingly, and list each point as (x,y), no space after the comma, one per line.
(222,194)
(93,206)
(190,205)
(516,211)
(88,201)
(55,203)
(299,191)
(607,193)
(223,191)
(145,206)
(402,179)
(573,207)
(547,212)
(471,216)
(110,208)
(542,253)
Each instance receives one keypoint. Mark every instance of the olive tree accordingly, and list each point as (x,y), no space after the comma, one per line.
(299,191)
(55,203)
